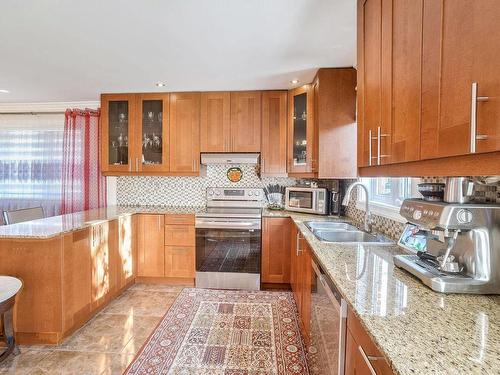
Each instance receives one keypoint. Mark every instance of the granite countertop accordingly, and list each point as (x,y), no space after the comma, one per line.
(57,225)
(418,330)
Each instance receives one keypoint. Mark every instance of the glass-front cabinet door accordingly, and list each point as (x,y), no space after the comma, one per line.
(117,114)
(153,137)
(301,153)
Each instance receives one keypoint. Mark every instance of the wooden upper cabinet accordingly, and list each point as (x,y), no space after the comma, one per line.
(369,78)
(274,128)
(150,245)
(401,81)
(335,117)
(184,132)
(245,121)
(276,250)
(302,156)
(152,133)
(215,122)
(118,113)
(459,39)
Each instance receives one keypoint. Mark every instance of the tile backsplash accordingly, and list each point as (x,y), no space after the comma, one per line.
(186,191)
(482,194)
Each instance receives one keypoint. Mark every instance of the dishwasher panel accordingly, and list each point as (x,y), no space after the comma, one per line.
(328,326)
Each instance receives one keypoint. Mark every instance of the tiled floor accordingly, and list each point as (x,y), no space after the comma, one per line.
(107,343)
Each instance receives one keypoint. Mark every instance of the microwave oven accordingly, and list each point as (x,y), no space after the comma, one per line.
(305,199)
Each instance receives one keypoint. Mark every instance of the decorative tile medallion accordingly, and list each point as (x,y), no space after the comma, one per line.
(225,332)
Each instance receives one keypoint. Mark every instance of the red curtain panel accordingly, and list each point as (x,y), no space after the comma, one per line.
(83,186)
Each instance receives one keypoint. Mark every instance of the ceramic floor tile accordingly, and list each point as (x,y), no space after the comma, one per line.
(105,345)
(109,333)
(24,363)
(141,303)
(83,363)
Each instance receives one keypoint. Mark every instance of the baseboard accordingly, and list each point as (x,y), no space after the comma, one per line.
(165,280)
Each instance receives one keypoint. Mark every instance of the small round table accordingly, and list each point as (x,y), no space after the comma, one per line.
(9,287)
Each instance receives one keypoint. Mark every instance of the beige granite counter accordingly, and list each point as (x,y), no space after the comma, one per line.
(56,225)
(418,330)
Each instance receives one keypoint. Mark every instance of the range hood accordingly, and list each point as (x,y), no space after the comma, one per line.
(229,158)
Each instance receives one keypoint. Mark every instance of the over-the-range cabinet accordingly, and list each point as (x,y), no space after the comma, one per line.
(302,157)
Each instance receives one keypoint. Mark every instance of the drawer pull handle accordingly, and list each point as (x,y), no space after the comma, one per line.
(368,360)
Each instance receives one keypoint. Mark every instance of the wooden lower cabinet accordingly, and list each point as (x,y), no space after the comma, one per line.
(150,245)
(300,276)
(276,250)
(180,261)
(127,252)
(362,355)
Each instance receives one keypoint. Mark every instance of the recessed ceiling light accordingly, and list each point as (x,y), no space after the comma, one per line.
(4,91)
(294,81)
(160,84)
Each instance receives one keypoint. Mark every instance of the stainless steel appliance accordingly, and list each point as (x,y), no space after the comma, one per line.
(456,247)
(328,324)
(336,197)
(228,239)
(458,190)
(307,199)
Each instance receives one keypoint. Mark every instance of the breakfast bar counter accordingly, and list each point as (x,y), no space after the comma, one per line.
(57,225)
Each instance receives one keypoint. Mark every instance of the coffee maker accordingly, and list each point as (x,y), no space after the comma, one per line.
(455,248)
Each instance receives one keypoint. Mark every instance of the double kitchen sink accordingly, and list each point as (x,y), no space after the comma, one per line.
(340,232)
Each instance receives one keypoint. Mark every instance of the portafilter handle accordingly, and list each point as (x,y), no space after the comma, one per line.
(451,244)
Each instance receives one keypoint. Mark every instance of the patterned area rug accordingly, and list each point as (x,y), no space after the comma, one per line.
(223,332)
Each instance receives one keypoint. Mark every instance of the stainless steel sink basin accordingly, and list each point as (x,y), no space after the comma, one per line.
(339,232)
(349,236)
(329,225)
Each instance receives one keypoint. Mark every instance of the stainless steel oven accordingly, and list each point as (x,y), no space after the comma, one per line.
(328,324)
(305,199)
(228,240)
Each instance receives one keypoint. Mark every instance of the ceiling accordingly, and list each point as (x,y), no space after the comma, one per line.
(60,50)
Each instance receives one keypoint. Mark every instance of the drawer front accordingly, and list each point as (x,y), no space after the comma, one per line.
(179,235)
(180,261)
(179,219)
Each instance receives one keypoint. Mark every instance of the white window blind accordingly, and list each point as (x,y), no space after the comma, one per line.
(31,161)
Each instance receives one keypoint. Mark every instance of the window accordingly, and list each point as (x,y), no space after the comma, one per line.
(31,161)
(387,194)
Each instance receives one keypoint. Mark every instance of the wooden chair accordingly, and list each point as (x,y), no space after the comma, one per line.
(9,287)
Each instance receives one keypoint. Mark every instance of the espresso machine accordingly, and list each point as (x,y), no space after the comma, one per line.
(454,248)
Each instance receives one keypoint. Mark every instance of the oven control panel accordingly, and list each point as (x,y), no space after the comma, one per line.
(240,194)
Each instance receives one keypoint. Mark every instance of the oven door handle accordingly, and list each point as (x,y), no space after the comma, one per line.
(227,225)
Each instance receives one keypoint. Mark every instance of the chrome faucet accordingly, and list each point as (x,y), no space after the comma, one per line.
(368,215)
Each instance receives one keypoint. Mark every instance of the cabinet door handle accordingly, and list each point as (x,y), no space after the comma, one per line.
(137,164)
(367,360)
(370,139)
(159,222)
(473,118)
(379,145)
(298,249)
(130,164)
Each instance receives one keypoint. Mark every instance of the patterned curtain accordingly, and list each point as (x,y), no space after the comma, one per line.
(83,186)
